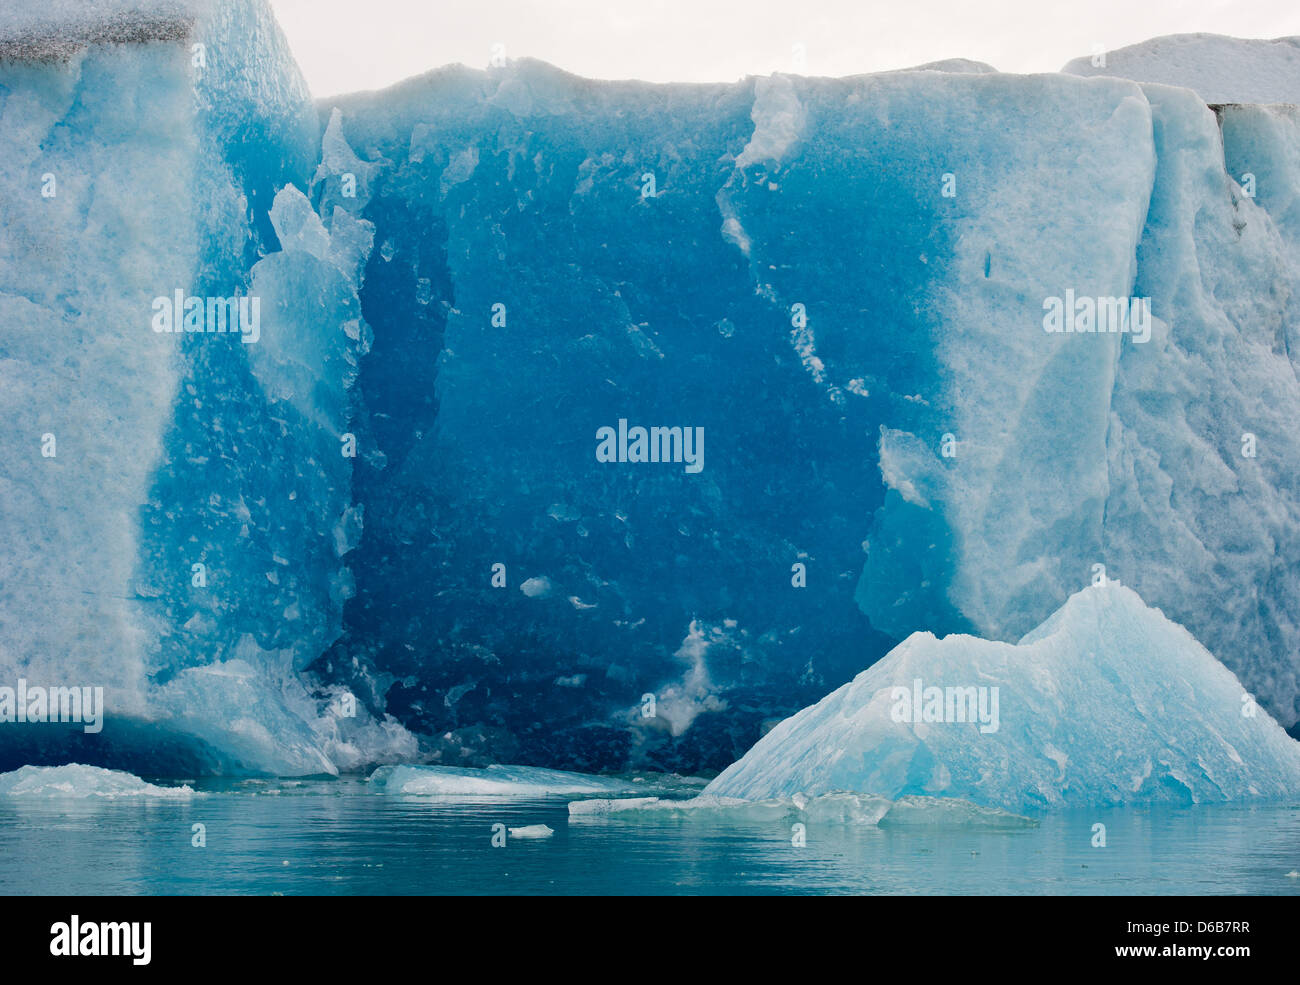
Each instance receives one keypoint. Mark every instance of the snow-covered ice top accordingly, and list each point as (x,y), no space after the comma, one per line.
(75,780)
(1219,69)
(1105,703)
(961,66)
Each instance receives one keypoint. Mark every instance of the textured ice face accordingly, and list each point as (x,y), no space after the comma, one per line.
(1105,703)
(178,502)
(524,189)
(852,306)
(839,285)
(778,263)
(1167,461)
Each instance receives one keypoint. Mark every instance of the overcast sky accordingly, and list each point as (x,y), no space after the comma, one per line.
(345,45)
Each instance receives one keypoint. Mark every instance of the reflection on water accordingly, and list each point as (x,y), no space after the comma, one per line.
(339,837)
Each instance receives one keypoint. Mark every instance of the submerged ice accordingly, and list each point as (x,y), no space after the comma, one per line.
(839,808)
(452,502)
(493,781)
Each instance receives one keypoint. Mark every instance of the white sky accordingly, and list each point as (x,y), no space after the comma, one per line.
(346,45)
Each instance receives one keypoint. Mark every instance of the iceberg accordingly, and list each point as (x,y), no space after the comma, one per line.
(77,781)
(303,401)
(1107,703)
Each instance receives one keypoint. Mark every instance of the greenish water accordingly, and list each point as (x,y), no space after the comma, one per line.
(340,837)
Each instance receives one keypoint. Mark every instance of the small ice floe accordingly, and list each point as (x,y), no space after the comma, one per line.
(532,831)
(537,588)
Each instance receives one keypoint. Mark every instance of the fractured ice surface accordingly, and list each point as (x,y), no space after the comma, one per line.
(1105,703)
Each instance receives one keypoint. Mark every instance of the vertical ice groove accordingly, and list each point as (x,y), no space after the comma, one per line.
(1200,514)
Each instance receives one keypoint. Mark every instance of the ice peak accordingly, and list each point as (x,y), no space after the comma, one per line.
(1035,724)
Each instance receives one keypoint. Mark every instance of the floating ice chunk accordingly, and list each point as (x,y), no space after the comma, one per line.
(601,807)
(494,781)
(75,780)
(831,808)
(532,831)
(537,588)
(705,806)
(1107,702)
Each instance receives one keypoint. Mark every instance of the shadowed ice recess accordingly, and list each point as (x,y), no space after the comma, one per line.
(378,529)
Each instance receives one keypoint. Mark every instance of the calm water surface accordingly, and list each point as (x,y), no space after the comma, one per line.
(328,837)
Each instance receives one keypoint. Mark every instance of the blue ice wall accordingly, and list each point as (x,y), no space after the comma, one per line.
(397,491)
(525,190)
(777,262)
(844,283)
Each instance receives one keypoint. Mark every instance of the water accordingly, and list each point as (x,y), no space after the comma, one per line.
(330,837)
